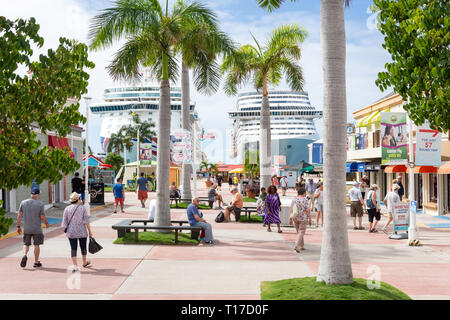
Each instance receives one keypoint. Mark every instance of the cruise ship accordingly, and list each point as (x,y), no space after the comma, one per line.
(291,120)
(143,99)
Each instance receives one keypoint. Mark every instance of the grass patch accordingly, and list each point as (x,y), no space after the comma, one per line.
(309,289)
(253,218)
(250,199)
(184,205)
(108,189)
(149,237)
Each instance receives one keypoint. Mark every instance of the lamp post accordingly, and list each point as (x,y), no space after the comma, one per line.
(87,199)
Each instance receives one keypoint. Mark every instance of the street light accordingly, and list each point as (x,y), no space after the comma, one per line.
(86,160)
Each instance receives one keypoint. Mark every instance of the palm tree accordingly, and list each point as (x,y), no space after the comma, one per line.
(335,265)
(151,35)
(204,165)
(201,44)
(146,131)
(265,65)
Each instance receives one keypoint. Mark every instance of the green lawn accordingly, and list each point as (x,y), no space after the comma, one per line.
(184,205)
(250,199)
(253,218)
(309,289)
(149,237)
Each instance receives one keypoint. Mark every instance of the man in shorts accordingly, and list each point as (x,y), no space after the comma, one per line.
(235,207)
(119,195)
(142,188)
(357,205)
(214,196)
(32,211)
(284,185)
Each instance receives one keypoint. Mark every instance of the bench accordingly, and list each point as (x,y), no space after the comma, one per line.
(127,225)
(248,210)
(204,199)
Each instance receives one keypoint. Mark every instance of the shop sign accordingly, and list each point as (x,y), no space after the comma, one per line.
(428,146)
(401,216)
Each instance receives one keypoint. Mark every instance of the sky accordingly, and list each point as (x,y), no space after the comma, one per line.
(365,55)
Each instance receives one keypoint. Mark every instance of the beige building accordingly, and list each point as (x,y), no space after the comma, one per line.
(432,184)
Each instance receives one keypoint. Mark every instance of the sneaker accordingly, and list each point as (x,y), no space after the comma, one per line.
(210,242)
(37,264)
(23,263)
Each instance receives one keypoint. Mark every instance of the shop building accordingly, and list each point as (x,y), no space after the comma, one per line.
(364,157)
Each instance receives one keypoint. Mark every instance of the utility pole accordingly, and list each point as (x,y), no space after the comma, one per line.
(412,222)
(87,199)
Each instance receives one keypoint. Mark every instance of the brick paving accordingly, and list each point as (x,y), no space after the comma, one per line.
(244,255)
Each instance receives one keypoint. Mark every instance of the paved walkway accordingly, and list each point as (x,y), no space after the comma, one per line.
(244,255)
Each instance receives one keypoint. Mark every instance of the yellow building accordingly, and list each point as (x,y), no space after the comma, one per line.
(432,184)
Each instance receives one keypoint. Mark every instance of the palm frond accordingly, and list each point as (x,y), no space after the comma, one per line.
(128,17)
(294,74)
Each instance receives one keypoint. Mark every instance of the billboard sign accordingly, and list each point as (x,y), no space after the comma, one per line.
(428,146)
(394,145)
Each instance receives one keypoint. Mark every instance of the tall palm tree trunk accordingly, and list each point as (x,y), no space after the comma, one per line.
(335,265)
(186,117)
(265,155)
(162,215)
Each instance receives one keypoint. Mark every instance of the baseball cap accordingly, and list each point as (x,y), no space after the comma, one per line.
(356,183)
(35,191)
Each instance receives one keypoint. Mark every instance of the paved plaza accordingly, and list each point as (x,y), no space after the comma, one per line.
(244,255)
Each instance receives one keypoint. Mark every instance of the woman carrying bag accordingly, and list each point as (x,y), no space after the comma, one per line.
(76,226)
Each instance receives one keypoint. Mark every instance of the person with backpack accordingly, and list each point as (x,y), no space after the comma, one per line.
(373,208)
(300,215)
(77,228)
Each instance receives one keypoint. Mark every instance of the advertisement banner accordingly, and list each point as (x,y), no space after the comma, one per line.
(428,147)
(394,144)
(146,154)
(401,216)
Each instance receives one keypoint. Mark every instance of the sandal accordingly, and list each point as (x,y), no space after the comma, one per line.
(374,230)
(355,228)
(37,264)
(280,231)
(268,230)
(88,263)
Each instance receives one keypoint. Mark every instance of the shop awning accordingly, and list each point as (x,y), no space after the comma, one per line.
(59,143)
(424,169)
(445,169)
(238,170)
(368,120)
(351,167)
(396,168)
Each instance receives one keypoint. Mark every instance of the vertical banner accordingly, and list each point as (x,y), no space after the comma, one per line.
(429,144)
(145,153)
(401,216)
(394,145)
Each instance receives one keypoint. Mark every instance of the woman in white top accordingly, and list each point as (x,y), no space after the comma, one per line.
(318,196)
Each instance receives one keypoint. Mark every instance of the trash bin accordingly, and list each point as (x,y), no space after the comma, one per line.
(97,193)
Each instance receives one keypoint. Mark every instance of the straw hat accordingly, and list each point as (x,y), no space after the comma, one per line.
(74,197)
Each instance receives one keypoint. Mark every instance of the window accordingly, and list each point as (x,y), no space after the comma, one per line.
(376,139)
(433,188)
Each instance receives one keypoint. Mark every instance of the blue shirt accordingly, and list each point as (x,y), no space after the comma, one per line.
(191,211)
(142,183)
(118,190)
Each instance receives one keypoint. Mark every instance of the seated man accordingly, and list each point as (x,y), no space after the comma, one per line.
(195,219)
(235,207)
(174,192)
(213,196)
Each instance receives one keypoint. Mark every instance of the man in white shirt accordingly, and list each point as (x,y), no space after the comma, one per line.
(357,205)
(390,200)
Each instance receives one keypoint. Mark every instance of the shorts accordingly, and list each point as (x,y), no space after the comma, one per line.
(234,209)
(374,214)
(38,239)
(319,207)
(283,188)
(142,194)
(356,209)
(118,201)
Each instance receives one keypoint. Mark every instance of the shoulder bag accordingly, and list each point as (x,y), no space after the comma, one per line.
(65,230)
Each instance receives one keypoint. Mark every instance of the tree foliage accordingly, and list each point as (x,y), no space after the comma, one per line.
(417,35)
(115,160)
(37,101)
(251,163)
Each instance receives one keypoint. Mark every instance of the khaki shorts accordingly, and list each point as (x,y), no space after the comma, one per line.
(38,239)
(356,209)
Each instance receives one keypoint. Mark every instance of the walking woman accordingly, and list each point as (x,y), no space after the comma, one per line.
(302,218)
(273,205)
(76,222)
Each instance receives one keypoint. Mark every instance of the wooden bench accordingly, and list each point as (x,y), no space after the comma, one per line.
(201,199)
(127,225)
(248,210)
